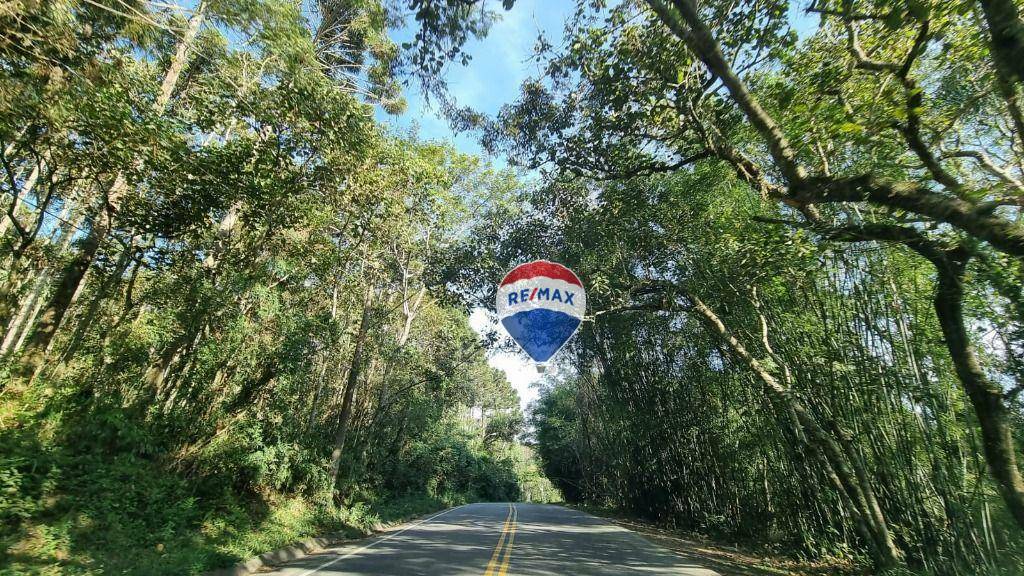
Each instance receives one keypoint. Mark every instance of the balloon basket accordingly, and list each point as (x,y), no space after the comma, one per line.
(542,368)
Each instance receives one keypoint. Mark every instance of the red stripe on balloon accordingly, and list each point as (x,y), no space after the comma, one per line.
(541,268)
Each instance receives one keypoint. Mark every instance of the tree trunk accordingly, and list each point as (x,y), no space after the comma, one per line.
(314,408)
(11,285)
(17,328)
(355,369)
(22,323)
(63,295)
(1007,32)
(87,319)
(251,389)
(410,311)
(986,397)
(71,277)
(858,494)
(156,373)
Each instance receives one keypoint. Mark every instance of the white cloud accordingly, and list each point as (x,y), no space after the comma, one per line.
(519,369)
(500,63)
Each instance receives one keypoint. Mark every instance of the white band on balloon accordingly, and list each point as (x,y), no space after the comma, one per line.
(540,292)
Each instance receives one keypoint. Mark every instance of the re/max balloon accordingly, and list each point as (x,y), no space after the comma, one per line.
(541,304)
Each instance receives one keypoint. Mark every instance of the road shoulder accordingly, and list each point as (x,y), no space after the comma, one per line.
(726,560)
(275,558)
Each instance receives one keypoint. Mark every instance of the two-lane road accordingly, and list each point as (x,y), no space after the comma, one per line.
(499,539)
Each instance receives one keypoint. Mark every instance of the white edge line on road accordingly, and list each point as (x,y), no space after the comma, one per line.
(375,542)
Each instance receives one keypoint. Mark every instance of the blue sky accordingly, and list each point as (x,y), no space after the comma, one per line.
(500,63)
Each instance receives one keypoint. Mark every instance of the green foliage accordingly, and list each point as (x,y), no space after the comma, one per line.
(222,291)
(234,309)
(557,432)
(792,341)
(658,418)
(454,462)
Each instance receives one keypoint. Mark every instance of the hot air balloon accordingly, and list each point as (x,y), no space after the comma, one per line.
(541,304)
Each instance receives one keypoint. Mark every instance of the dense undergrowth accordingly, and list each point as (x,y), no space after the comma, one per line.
(94,497)
(799,225)
(234,308)
(223,316)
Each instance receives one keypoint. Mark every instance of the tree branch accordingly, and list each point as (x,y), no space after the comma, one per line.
(685,22)
(1004,235)
(986,161)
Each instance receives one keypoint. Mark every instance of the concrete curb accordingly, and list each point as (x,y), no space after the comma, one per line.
(302,549)
(280,556)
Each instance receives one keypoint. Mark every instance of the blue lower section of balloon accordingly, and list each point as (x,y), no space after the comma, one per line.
(540,332)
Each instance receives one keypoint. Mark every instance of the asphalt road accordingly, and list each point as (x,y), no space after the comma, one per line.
(499,539)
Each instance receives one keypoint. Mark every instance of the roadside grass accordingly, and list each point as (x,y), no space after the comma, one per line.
(176,535)
(88,507)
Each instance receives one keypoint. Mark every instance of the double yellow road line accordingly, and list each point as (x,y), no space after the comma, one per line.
(498,566)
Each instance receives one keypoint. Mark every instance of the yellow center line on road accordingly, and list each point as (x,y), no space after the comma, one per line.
(493,565)
(508,543)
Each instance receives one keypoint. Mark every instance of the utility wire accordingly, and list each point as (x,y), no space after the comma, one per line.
(48,213)
(106,242)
